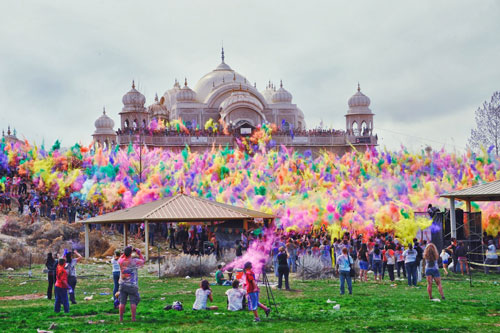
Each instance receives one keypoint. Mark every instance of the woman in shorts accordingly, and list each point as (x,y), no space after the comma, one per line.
(364,258)
(431,257)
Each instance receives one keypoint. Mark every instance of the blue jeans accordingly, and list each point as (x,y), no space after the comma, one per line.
(292,263)
(275,261)
(411,273)
(116,278)
(377,267)
(343,277)
(61,298)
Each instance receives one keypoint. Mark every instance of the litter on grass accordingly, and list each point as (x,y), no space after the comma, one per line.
(329,301)
(436,300)
(336,307)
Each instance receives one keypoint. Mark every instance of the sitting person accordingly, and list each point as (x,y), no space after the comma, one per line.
(219,277)
(202,295)
(236,297)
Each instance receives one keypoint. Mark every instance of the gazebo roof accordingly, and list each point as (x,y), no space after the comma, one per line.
(179,208)
(482,192)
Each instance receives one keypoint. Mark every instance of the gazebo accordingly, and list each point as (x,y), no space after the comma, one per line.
(176,209)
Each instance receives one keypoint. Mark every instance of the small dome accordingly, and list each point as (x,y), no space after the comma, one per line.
(157,109)
(186,94)
(104,122)
(359,103)
(268,92)
(104,125)
(282,95)
(134,97)
(359,99)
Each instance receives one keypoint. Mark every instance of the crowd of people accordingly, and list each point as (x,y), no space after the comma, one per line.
(219,130)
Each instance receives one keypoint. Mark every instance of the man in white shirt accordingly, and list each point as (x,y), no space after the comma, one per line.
(491,257)
(235,297)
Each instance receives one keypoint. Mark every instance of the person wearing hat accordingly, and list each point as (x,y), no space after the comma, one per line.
(491,257)
(129,280)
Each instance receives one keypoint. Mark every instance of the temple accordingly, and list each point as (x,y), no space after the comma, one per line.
(227,99)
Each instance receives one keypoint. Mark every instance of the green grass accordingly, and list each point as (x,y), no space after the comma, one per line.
(371,308)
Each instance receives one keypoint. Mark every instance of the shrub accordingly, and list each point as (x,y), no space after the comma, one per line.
(184,264)
(312,267)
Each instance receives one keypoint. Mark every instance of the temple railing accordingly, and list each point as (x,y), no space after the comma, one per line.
(309,140)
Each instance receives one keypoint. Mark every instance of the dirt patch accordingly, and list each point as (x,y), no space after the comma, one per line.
(27,297)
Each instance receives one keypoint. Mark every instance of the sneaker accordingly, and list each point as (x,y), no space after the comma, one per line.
(443,298)
(257,319)
(268,311)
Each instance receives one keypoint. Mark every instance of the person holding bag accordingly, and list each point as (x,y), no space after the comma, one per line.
(344,263)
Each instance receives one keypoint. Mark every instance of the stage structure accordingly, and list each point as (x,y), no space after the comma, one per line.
(469,223)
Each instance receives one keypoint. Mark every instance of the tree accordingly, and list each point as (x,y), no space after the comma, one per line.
(487,131)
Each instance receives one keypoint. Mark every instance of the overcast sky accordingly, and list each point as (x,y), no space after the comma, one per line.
(426,65)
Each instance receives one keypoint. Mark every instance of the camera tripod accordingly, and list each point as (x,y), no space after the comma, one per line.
(269,291)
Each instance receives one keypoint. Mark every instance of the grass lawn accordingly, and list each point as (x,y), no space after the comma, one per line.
(372,307)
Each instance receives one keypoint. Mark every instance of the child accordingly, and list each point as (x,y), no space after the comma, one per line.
(202,295)
(219,277)
(61,289)
(235,297)
(253,292)
(444,257)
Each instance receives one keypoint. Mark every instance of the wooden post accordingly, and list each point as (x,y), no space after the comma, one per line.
(146,238)
(87,250)
(125,234)
(453,218)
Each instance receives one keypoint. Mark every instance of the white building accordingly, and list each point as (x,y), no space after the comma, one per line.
(224,94)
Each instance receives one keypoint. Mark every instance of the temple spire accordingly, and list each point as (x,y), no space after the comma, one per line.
(103,110)
(185,82)
(359,88)
(133,84)
(281,83)
(222,55)
(156,97)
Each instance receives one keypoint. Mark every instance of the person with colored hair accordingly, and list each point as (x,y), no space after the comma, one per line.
(129,280)
(253,292)
(61,289)
(431,258)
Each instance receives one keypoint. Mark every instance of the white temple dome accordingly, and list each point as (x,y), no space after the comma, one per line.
(186,94)
(104,124)
(359,103)
(222,74)
(358,99)
(282,95)
(268,92)
(133,97)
